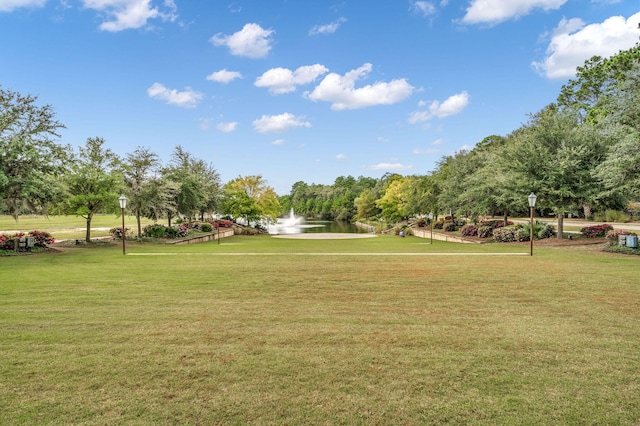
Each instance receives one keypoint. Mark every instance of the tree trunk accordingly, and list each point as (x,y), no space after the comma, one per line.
(87,237)
(587,210)
(139,224)
(506,218)
(169,219)
(560,225)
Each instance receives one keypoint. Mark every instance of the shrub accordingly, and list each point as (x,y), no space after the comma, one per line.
(596,231)
(485,231)
(612,236)
(116,233)
(182,230)
(438,225)
(42,239)
(510,234)
(449,227)
(611,216)
(469,231)
(206,227)
(155,230)
(545,231)
(421,223)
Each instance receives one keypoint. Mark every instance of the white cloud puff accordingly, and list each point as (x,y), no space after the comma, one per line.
(227,127)
(224,76)
(128,14)
(283,80)
(279,123)
(496,11)
(424,7)
(186,99)
(573,42)
(453,105)
(252,41)
(340,90)
(328,28)
(9,5)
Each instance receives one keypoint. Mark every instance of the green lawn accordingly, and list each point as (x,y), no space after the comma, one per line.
(268,331)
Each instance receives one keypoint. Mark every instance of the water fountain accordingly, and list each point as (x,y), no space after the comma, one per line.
(289,225)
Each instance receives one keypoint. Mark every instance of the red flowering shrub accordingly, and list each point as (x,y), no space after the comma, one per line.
(596,231)
(469,231)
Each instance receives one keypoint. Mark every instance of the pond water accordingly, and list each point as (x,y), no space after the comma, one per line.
(338,226)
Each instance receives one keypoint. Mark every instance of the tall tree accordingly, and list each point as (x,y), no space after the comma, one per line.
(94,183)
(251,198)
(30,161)
(138,171)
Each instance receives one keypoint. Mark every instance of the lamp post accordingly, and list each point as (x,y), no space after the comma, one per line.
(532,203)
(123,205)
(431,226)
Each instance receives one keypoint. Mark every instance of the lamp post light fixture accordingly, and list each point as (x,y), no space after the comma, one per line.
(532,204)
(123,205)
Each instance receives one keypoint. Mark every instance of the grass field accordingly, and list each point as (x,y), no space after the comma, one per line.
(259,330)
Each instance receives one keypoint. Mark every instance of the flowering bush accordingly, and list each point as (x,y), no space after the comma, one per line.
(485,231)
(596,231)
(41,239)
(449,227)
(182,230)
(510,234)
(116,233)
(469,231)
(206,227)
(223,223)
(438,225)
(612,236)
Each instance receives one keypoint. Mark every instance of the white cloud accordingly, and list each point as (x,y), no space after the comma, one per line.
(388,167)
(438,142)
(186,99)
(424,7)
(251,41)
(9,5)
(278,142)
(341,157)
(224,76)
(452,106)
(283,80)
(279,123)
(573,42)
(227,126)
(328,28)
(496,11)
(341,92)
(127,14)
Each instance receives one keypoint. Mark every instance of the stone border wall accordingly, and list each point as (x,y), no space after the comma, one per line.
(203,238)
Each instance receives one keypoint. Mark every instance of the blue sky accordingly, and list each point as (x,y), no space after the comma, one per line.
(298,89)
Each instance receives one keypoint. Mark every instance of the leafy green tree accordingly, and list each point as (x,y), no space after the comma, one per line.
(94,183)
(554,157)
(251,198)
(197,184)
(31,163)
(596,84)
(138,170)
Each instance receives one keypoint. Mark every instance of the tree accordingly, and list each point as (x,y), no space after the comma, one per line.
(197,184)
(554,157)
(137,170)
(93,183)
(250,197)
(30,161)
(596,84)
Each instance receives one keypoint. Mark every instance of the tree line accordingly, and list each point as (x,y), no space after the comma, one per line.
(38,175)
(580,154)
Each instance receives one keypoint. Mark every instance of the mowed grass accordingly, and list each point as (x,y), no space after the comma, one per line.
(258,330)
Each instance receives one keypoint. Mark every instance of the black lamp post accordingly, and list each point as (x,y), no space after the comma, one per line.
(532,203)
(123,205)
(431,226)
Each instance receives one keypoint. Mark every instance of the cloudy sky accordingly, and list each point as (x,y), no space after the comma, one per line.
(302,90)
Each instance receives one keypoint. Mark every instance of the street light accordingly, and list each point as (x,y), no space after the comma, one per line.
(431,226)
(123,205)
(532,203)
